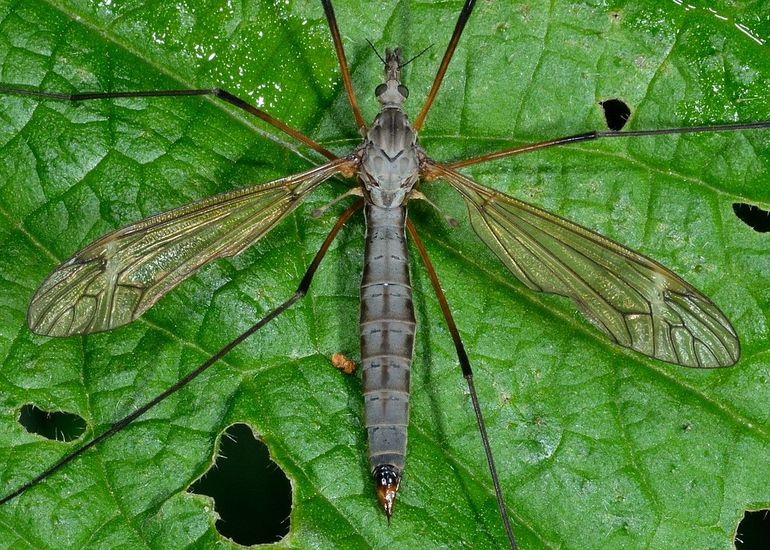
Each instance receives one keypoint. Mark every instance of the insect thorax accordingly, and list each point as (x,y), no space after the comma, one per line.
(390,159)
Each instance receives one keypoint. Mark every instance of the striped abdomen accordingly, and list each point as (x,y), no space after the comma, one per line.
(387,340)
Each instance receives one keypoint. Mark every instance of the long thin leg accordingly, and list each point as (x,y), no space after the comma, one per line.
(589,136)
(121,424)
(338,47)
(462,19)
(216,92)
(465,366)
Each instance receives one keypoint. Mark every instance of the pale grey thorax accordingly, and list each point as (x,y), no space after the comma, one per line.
(390,155)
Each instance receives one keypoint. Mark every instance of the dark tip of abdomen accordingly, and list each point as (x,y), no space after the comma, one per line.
(386,480)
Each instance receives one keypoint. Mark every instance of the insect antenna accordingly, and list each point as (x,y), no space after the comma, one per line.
(402,64)
(405,63)
(377,53)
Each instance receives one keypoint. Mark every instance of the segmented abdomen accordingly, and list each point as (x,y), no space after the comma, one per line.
(387,328)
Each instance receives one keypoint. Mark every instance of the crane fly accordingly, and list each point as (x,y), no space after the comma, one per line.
(636,302)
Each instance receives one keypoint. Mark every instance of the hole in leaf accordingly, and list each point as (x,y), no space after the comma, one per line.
(616,113)
(59,426)
(753,530)
(753,216)
(252,496)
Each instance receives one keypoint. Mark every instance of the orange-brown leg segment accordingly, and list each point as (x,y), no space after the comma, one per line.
(216,92)
(329,11)
(465,365)
(462,19)
(590,136)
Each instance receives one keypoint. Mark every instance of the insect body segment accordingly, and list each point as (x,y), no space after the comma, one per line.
(387,328)
(388,172)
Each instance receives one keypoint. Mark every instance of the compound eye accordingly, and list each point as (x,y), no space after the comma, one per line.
(403,90)
(381,89)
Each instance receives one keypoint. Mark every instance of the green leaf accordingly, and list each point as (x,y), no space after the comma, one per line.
(596,446)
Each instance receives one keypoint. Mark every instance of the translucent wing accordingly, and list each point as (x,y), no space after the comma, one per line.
(115,279)
(637,302)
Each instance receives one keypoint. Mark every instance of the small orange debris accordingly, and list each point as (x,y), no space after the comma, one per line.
(343,363)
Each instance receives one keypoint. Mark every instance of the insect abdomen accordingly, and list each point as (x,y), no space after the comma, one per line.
(387,328)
